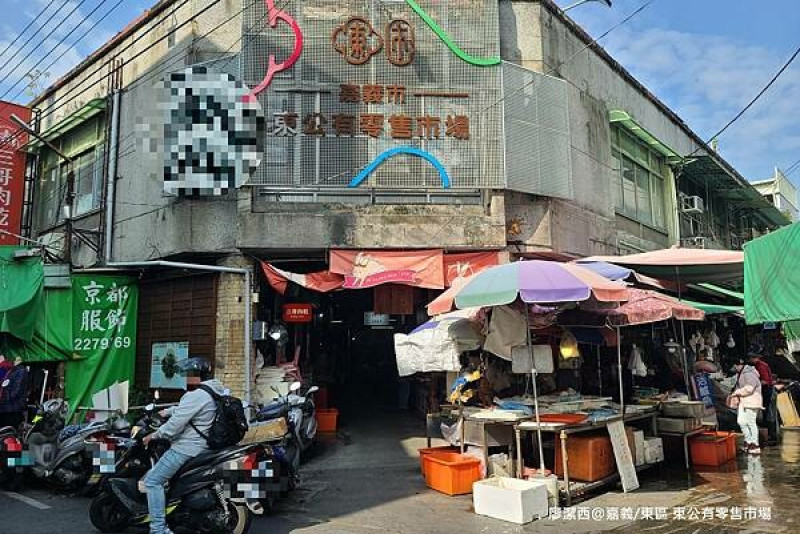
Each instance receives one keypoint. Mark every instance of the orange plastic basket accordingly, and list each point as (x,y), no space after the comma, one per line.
(431,450)
(730,441)
(451,473)
(709,450)
(326,419)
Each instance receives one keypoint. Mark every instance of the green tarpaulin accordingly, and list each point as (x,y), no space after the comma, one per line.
(52,336)
(103,317)
(21,282)
(713,309)
(772,277)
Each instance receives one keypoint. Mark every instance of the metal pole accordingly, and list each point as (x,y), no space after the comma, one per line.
(111,183)
(619,372)
(599,371)
(535,394)
(684,364)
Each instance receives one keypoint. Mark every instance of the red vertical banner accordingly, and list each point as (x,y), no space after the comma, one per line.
(12,171)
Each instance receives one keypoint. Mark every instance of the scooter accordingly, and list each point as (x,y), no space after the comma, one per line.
(300,411)
(12,468)
(196,497)
(61,456)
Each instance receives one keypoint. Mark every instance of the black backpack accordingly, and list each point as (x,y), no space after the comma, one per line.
(229,425)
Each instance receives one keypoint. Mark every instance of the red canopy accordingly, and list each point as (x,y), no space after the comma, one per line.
(642,307)
(684,264)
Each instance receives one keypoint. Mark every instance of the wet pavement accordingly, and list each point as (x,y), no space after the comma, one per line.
(367,480)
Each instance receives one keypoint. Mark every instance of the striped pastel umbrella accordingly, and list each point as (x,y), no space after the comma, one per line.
(537,281)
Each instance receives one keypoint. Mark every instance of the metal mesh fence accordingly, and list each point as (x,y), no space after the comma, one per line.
(537,133)
(296,159)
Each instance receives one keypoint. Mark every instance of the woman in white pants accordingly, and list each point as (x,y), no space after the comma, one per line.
(746,396)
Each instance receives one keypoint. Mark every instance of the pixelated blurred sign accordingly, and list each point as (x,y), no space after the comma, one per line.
(212,133)
(12,171)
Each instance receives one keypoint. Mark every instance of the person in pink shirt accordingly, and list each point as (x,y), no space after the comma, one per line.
(746,397)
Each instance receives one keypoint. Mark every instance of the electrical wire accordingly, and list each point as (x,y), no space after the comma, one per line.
(20,49)
(755,99)
(67,50)
(41,42)
(26,28)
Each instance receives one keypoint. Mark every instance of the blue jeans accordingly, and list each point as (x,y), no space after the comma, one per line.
(154,482)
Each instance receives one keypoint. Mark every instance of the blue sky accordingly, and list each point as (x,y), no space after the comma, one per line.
(704,58)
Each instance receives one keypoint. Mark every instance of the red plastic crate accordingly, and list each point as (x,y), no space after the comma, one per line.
(327,419)
(709,449)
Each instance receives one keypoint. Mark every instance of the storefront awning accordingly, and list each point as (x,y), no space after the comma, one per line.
(725,183)
(714,309)
(772,277)
(89,110)
(624,119)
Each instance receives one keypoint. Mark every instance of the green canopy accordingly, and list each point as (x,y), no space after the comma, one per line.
(772,277)
(21,282)
(713,309)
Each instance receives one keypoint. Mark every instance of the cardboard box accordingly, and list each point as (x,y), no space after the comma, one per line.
(510,499)
(638,439)
(678,426)
(653,450)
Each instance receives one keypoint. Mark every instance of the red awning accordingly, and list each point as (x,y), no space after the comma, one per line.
(370,268)
(322,281)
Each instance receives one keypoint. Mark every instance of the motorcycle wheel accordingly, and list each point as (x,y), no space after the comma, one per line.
(240,518)
(106,514)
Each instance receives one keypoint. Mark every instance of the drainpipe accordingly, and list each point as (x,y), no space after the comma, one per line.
(111,182)
(248,343)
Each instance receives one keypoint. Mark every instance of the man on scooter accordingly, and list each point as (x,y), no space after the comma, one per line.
(191,417)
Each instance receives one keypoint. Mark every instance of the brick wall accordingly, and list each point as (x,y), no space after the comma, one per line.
(230,351)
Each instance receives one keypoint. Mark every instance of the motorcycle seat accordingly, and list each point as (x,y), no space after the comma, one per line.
(273,410)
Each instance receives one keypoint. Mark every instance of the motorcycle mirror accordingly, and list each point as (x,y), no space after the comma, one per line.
(295,386)
(313,389)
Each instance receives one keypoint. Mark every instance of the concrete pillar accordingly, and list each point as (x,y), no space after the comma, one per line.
(230,350)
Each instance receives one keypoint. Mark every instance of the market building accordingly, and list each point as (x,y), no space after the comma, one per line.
(781,192)
(385,148)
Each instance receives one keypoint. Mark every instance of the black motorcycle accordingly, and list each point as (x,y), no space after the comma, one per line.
(201,497)
(12,469)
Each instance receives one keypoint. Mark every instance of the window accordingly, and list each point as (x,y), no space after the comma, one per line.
(85,146)
(638,179)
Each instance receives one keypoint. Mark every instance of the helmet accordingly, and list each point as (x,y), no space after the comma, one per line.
(195,366)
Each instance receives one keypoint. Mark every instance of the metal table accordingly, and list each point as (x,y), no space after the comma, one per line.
(564,431)
(485,433)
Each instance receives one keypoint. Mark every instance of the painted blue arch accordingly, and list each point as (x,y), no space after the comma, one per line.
(430,158)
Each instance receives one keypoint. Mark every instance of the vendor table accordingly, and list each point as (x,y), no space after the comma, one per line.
(686,436)
(564,431)
(485,433)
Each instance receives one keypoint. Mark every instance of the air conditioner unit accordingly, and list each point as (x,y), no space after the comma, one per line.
(693,204)
(694,242)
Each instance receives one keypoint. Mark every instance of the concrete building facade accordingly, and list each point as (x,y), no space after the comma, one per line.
(567,153)
(782,193)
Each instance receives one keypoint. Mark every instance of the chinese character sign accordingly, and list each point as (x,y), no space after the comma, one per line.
(104,312)
(12,172)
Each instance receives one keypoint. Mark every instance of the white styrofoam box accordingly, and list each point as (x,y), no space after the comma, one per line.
(638,441)
(551,483)
(653,450)
(510,499)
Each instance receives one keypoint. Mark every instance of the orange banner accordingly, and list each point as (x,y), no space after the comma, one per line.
(363,269)
(467,264)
